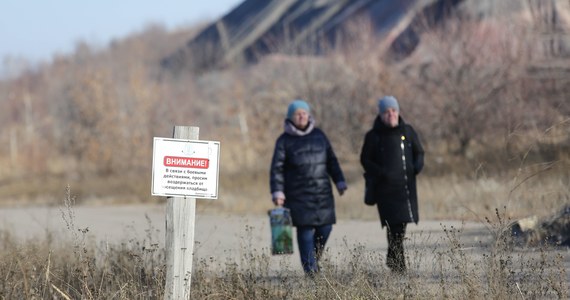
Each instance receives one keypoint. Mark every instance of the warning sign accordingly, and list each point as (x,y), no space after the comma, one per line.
(185,168)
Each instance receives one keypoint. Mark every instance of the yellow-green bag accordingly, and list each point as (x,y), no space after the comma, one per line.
(281,231)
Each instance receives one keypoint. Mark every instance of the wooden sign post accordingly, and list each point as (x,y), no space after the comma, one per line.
(180,220)
(183,169)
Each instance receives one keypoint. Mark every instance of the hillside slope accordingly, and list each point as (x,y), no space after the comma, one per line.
(258,27)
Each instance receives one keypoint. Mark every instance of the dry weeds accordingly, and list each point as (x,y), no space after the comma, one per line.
(452,264)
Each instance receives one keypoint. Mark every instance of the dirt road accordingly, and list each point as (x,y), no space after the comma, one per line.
(226,237)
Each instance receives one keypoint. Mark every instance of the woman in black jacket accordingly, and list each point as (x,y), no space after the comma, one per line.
(392,156)
(302,165)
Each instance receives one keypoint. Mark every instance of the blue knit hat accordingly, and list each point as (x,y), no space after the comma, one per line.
(388,102)
(296,105)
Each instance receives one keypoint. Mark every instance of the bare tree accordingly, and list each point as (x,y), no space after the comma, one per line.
(466,69)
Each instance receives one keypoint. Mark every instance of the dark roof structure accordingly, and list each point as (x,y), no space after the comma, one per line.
(257,27)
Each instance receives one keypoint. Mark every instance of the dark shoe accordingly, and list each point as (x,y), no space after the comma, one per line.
(396,267)
(311,275)
(398,271)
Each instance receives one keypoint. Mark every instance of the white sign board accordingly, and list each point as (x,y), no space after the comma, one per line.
(185,168)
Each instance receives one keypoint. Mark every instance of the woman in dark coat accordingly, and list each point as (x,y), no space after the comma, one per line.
(302,165)
(392,156)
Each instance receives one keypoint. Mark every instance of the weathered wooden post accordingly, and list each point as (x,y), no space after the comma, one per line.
(183,168)
(180,221)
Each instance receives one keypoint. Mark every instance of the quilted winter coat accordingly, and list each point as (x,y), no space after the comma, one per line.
(302,168)
(391,158)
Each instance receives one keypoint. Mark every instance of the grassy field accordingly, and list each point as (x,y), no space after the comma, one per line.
(445,263)
(450,263)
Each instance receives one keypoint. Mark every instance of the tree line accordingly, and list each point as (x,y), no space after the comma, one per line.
(477,91)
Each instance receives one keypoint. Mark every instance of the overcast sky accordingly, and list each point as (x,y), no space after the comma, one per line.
(35,30)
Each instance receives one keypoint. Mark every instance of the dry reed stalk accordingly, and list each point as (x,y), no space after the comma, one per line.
(47,270)
(25,278)
(60,292)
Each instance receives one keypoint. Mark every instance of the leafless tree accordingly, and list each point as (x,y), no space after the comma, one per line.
(467,69)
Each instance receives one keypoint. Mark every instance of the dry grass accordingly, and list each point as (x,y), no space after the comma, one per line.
(538,190)
(446,268)
(455,266)
(449,264)
(475,199)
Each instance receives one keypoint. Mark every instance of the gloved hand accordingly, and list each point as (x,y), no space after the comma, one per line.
(341,187)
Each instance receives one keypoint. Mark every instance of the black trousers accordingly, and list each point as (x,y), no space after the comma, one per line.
(395,259)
